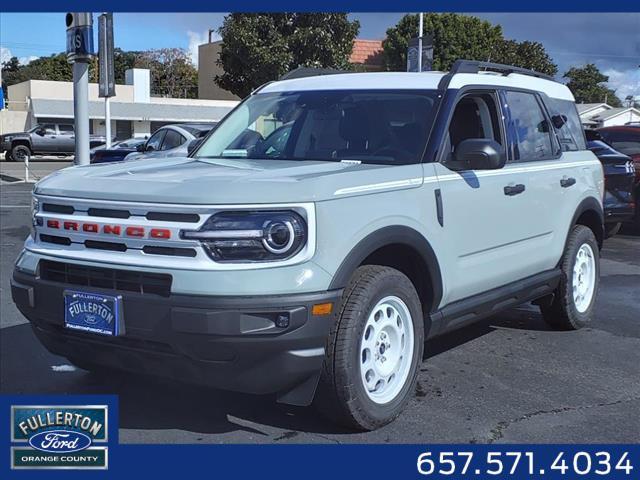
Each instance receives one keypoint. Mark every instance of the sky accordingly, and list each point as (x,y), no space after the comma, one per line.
(610,40)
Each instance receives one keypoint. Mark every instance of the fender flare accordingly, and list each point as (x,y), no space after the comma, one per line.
(589,203)
(383,237)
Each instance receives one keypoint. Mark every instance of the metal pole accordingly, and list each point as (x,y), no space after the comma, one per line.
(81,110)
(107,121)
(420,43)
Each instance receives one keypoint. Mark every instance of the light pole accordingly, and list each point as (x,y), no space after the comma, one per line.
(420,25)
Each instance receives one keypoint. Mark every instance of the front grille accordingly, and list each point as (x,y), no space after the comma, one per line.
(54,208)
(174,217)
(108,278)
(108,212)
(55,239)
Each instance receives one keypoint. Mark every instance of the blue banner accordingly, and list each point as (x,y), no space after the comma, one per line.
(325,6)
(23,417)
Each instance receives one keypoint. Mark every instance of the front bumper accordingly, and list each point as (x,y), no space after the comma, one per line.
(226,342)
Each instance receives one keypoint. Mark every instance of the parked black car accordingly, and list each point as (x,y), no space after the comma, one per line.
(44,139)
(117,152)
(619,178)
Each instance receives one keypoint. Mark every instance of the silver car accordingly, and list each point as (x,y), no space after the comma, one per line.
(171,141)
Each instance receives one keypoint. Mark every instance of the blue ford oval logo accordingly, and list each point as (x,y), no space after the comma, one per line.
(60,441)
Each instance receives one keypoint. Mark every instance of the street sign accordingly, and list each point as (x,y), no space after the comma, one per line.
(79,37)
(427,54)
(79,43)
(107,83)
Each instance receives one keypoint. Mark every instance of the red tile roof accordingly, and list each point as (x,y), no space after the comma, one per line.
(366,52)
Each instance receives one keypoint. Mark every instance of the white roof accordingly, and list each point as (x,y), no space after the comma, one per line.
(417,81)
(585,107)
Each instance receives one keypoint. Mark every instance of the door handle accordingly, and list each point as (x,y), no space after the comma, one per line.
(512,190)
(567,182)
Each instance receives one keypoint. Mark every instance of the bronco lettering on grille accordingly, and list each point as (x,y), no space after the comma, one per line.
(130,231)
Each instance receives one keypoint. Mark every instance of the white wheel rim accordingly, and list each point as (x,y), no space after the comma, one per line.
(584,278)
(386,350)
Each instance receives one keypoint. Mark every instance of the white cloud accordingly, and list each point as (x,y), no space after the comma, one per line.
(624,82)
(5,56)
(196,39)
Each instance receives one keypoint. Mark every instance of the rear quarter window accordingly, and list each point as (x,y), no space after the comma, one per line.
(566,123)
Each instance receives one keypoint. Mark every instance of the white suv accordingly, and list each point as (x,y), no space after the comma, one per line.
(317,237)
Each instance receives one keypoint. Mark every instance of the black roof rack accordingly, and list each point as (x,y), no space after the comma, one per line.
(475,66)
(302,72)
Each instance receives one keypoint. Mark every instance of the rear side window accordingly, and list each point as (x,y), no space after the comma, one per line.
(566,121)
(65,129)
(625,141)
(172,140)
(529,128)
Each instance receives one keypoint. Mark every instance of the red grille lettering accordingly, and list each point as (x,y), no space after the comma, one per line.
(163,233)
(90,227)
(53,224)
(111,229)
(71,226)
(134,232)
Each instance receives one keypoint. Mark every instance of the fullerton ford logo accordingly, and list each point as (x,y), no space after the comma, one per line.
(59,436)
(60,441)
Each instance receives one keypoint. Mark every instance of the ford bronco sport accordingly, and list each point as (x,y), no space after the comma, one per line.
(313,241)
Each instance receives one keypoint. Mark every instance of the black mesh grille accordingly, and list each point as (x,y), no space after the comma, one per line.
(54,208)
(119,280)
(107,212)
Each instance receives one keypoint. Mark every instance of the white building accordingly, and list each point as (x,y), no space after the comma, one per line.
(596,115)
(134,112)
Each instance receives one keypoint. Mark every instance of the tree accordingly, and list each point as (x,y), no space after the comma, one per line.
(531,55)
(172,73)
(257,48)
(457,36)
(586,85)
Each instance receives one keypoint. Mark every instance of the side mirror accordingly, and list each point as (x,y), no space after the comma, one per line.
(148,148)
(193,144)
(140,148)
(477,154)
(40,131)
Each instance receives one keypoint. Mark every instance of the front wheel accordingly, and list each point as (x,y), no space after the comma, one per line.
(574,299)
(373,350)
(21,153)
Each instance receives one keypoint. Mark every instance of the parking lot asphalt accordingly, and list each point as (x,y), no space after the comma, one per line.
(39,167)
(506,379)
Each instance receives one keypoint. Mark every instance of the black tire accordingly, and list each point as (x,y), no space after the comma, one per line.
(612,229)
(341,395)
(8,157)
(562,313)
(20,153)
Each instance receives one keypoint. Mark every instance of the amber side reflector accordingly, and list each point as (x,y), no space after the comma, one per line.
(322,309)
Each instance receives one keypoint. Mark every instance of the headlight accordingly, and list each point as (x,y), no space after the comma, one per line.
(251,236)
(35,220)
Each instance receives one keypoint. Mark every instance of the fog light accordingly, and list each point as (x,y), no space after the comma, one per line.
(282,320)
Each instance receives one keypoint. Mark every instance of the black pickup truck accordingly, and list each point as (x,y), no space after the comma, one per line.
(43,139)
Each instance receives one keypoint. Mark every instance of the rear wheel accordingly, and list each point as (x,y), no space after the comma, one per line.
(574,299)
(373,350)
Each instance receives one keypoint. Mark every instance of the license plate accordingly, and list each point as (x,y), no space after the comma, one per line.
(92,312)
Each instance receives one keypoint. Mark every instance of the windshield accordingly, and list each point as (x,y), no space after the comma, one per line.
(383,126)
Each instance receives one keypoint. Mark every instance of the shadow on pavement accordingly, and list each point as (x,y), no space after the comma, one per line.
(149,403)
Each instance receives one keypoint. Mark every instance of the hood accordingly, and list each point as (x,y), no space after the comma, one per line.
(225,181)
(14,134)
